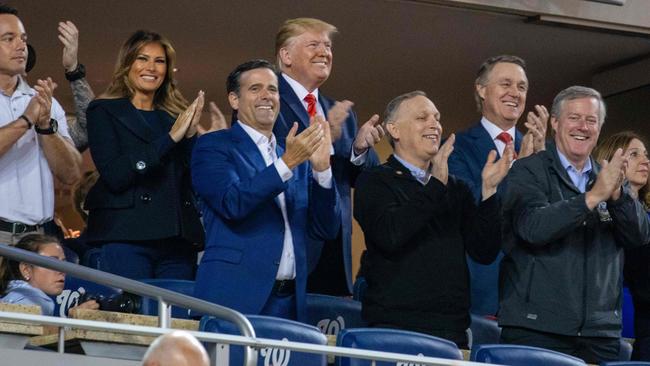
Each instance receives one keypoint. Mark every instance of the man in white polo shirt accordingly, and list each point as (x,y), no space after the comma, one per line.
(34,139)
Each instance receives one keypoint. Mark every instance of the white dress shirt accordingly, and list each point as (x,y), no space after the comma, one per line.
(266,146)
(494,131)
(26,182)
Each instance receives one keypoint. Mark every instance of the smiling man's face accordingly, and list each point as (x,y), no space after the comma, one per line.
(504,94)
(577,129)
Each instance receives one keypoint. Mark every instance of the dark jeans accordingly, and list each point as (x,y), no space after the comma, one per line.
(165,258)
(641,344)
(329,275)
(591,349)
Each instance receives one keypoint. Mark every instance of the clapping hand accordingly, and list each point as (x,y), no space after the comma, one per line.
(439,165)
(609,180)
(320,159)
(300,147)
(537,123)
(494,172)
(369,134)
(337,116)
(185,124)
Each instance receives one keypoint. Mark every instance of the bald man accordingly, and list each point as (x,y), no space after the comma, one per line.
(177,348)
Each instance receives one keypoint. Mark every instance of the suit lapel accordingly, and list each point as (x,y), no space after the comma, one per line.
(518,138)
(482,142)
(129,116)
(249,149)
(295,104)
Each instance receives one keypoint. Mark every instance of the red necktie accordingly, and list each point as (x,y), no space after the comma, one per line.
(311,104)
(506,138)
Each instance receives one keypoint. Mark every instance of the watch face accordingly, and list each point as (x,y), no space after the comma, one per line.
(54,125)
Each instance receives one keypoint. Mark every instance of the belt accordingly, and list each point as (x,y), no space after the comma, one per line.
(284,287)
(17,227)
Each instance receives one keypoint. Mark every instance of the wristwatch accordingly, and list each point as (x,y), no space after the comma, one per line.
(54,126)
(76,74)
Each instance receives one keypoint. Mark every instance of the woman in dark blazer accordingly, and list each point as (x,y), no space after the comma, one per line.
(140,134)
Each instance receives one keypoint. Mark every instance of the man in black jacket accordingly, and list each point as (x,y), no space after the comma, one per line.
(566,222)
(419,222)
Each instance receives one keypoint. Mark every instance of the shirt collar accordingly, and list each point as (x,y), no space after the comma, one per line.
(301,91)
(421,175)
(495,130)
(258,138)
(568,166)
(23,88)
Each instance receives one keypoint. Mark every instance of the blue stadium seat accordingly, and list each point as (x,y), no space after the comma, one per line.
(331,314)
(91,258)
(625,363)
(515,355)
(150,306)
(393,340)
(484,331)
(70,255)
(74,289)
(628,314)
(272,328)
(359,289)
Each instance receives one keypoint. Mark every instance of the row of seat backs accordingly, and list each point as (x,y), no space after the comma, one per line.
(328,314)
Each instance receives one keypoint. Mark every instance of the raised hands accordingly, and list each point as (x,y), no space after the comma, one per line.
(439,167)
(527,145)
(369,134)
(216,122)
(185,125)
(535,139)
(320,159)
(337,116)
(494,172)
(609,180)
(300,147)
(69,36)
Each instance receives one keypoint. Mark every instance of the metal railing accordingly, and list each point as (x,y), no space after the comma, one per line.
(165,297)
(245,341)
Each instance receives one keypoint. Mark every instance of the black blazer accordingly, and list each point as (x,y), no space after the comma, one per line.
(144,190)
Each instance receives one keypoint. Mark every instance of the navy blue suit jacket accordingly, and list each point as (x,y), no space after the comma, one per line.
(466,162)
(243,221)
(345,173)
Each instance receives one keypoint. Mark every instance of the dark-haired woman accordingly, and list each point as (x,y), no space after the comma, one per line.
(140,134)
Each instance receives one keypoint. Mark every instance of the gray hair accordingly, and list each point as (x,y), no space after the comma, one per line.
(578,92)
(485,69)
(392,107)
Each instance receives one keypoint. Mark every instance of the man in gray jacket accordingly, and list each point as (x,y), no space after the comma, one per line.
(566,222)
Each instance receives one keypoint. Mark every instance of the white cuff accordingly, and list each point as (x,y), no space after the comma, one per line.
(358,159)
(283,170)
(323,178)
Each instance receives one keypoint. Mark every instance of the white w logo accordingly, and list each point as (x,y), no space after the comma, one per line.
(332,327)
(409,364)
(68,299)
(276,356)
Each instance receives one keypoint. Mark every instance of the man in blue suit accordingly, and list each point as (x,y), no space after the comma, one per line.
(263,205)
(303,48)
(500,91)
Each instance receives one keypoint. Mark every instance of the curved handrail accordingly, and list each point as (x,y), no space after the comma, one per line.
(139,288)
